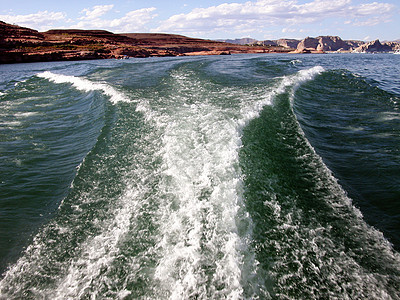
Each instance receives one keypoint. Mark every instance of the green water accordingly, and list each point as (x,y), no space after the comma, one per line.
(235,177)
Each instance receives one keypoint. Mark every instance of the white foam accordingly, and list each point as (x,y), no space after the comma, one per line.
(26,114)
(203,183)
(199,153)
(252,110)
(201,253)
(295,61)
(10,124)
(388,116)
(95,255)
(98,252)
(86,85)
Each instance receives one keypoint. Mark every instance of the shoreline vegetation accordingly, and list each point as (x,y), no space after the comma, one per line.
(21,44)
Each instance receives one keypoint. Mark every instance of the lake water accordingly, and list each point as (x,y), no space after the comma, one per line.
(209,177)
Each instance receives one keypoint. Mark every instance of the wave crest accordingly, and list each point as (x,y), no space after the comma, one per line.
(85,85)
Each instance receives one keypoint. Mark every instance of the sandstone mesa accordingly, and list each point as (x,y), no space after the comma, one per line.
(21,44)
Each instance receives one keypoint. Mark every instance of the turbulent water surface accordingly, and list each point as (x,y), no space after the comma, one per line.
(233,177)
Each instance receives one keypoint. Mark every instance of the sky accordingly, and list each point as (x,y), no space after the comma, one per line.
(219,19)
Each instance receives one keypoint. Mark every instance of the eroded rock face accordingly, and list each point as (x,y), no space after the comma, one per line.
(242,41)
(325,43)
(285,43)
(332,43)
(307,44)
(335,43)
(288,43)
(18,44)
(354,44)
(375,46)
(394,45)
(12,35)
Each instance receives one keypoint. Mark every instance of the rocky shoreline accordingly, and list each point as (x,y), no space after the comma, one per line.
(21,45)
(336,44)
(328,44)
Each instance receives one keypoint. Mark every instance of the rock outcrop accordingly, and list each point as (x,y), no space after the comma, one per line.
(375,46)
(336,44)
(324,44)
(354,44)
(394,45)
(12,34)
(308,43)
(332,43)
(285,43)
(288,43)
(19,44)
(266,43)
(242,41)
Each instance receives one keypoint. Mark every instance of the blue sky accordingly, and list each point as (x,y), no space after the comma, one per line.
(259,19)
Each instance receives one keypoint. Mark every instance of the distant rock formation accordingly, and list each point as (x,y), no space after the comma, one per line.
(266,43)
(326,44)
(332,43)
(20,45)
(285,43)
(376,46)
(354,44)
(395,45)
(307,44)
(11,35)
(288,43)
(322,44)
(242,41)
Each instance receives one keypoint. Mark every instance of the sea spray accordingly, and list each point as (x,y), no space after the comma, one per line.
(201,185)
(300,211)
(251,109)
(85,85)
